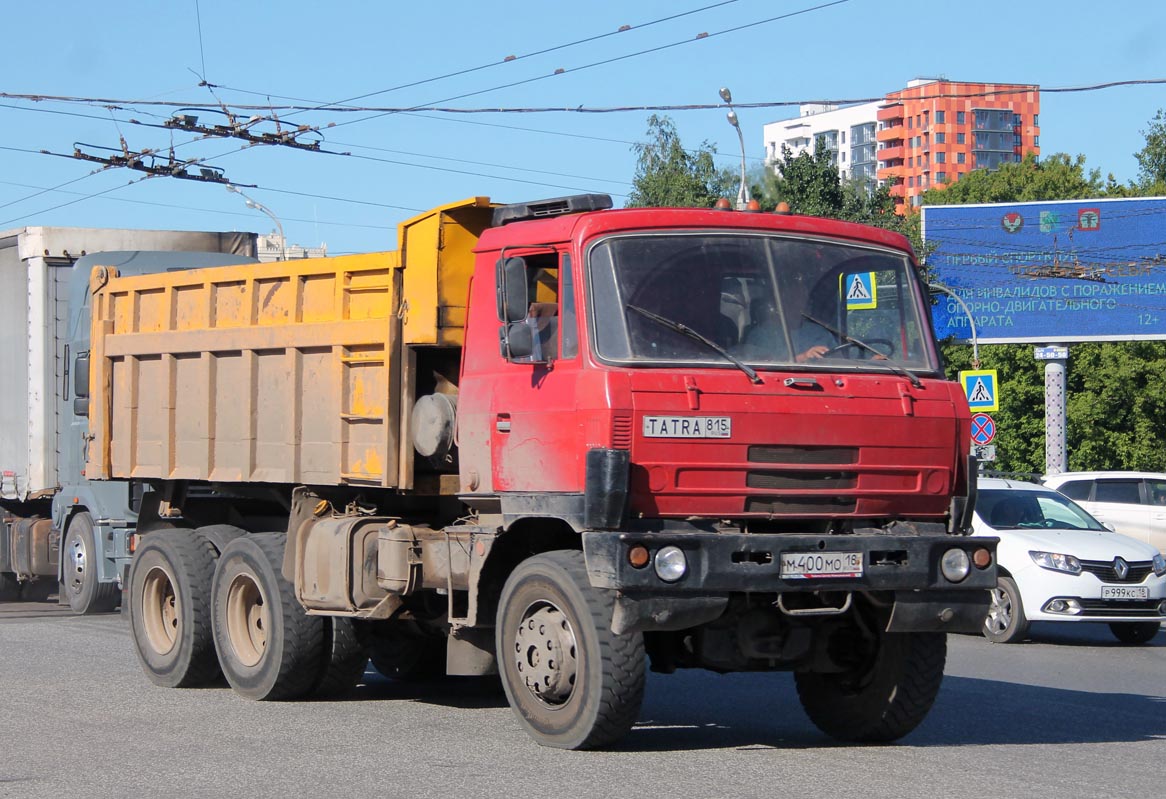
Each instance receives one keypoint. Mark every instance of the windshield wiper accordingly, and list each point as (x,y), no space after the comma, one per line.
(692,334)
(894,366)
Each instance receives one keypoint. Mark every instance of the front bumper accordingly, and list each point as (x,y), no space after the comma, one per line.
(730,562)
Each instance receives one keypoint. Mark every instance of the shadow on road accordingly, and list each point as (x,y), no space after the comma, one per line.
(762,711)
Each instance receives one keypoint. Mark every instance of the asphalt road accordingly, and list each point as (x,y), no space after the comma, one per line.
(1069,714)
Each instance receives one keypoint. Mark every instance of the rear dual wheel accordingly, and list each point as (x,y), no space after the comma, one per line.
(169,608)
(268,647)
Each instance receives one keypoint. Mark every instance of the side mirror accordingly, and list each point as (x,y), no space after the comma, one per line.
(510,280)
(517,342)
(80,406)
(81,375)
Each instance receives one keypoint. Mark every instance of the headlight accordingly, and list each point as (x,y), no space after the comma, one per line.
(955,565)
(1055,561)
(670,564)
(1159,564)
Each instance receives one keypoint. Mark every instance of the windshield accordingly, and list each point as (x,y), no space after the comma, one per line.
(1003,509)
(769,300)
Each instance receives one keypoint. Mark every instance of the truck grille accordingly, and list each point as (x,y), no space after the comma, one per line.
(803,455)
(1103,569)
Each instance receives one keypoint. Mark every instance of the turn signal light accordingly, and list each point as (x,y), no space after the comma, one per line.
(638,556)
(982,558)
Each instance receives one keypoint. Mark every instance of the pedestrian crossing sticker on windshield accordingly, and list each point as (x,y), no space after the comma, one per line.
(860,291)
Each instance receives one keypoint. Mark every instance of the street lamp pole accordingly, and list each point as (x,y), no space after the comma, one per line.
(258,206)
(743,197)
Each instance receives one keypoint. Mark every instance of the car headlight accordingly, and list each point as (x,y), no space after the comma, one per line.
(1159,565)
(1055,561)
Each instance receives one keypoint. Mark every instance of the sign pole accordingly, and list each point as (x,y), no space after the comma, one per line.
(1056,453)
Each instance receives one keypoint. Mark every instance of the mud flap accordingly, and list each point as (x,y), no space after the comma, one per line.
(938,611)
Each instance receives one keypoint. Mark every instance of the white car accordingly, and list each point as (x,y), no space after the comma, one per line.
(1133,502)
(1058,563)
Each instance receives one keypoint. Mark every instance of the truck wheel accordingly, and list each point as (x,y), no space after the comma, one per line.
(82,586)
(9,587)
(408,656)
(169,608)
(885,697)
(572,682)
(268,647)
(1005,622)
(344,659)
(1134,632)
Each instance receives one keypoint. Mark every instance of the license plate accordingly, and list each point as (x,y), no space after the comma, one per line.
(820,565)
(688,427)
(1125,592)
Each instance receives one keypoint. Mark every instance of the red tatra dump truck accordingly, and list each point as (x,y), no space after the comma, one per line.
(552,440)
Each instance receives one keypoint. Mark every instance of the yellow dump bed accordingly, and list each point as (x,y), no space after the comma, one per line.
(286,372)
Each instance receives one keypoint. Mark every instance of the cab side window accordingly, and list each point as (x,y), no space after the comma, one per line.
(543,313)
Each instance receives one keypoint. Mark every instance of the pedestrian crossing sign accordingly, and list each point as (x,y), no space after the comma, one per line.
(982,389)
(860,291)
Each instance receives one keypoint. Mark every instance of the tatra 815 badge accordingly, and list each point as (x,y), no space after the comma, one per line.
(688,427)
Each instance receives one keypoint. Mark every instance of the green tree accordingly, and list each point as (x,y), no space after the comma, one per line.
(1056,177)
(669,176)
(1152,157)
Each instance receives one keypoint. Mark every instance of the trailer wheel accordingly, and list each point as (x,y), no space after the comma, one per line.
(344,659)
(572,682)
(169,608)
(268,647)
(886,695)
(9,587)
(82,585)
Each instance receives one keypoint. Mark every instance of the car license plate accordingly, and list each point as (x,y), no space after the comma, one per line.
(820,565)
(688,427)
(1125,592)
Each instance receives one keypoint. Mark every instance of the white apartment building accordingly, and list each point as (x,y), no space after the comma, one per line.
(847,131)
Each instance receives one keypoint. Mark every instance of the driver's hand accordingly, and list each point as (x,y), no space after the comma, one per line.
(813,353)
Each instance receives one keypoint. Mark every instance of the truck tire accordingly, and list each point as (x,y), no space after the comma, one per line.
(408,656)
(885,697)
(268,647)
(343,662)
(1005,622)
(572,682)
(9,587)
(169,608)
(82,585)
(1134,632)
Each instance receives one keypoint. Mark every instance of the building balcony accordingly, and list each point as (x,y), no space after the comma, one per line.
(894,134)
(893,153)
(890,112)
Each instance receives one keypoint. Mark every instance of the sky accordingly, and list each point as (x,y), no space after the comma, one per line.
(454,55)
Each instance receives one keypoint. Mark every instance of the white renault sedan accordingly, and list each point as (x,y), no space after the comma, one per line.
(1058,563)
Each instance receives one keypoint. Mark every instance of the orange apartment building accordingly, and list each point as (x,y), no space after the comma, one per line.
(935,131)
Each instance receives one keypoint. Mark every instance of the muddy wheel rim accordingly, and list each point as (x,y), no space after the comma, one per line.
(247,620)
(545,654)
(161,611)
(999,611)
(77,557)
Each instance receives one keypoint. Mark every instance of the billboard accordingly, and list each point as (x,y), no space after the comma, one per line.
(1044,272)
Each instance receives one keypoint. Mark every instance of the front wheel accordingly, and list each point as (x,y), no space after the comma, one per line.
(1134,632)
(886,695)
(82,585)
(573,683)
(1005,622)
